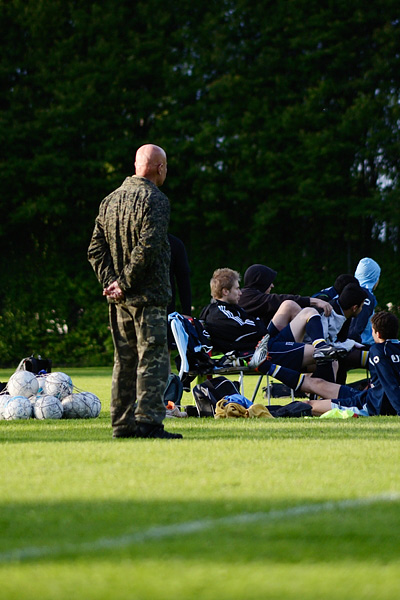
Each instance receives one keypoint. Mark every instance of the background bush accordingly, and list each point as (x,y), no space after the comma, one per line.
(281,125)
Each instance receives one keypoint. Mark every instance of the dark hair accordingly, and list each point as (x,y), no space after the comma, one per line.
(342,280)
(352,295)
(386,324)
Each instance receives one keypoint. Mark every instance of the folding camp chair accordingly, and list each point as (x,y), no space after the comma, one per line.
(195,355)
(269,390)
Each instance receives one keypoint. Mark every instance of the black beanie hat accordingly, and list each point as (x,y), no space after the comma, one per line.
(259,277)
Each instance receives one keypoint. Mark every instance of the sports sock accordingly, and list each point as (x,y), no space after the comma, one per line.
(272,330)
(364,358)
(324,371)
(315,331)
(291,378)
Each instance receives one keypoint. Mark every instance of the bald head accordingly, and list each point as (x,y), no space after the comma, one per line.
(151,163)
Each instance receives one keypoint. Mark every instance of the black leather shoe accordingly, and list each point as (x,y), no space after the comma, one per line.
(155,431)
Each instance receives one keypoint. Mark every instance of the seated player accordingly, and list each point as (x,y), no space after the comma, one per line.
(348,305)
(332,292)
(258,301)
(383,395)
(231,328)
(367,273)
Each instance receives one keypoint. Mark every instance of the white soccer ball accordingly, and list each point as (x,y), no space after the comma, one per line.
(23,383)
(18,407)
(93,403)
(82,405)
(4,398)
(57,384)
(74,407)
(48,407)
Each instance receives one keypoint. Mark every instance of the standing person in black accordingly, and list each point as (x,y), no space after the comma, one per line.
(179,275)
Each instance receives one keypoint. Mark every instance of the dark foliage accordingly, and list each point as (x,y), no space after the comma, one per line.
(281,124)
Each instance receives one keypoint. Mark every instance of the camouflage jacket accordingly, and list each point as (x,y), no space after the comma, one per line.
(130,245)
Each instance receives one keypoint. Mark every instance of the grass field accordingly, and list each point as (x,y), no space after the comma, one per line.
(238,509)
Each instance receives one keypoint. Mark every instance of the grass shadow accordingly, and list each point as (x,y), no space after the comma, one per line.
(255,530)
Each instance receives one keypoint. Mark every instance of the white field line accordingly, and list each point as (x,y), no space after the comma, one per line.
(190,527)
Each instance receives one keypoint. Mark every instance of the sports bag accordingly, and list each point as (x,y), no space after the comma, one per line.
(207,394)
(35,365)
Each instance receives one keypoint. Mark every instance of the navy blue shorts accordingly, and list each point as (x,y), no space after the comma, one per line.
(349,396)
(284,351)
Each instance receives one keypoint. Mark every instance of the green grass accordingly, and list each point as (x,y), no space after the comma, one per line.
(238,509)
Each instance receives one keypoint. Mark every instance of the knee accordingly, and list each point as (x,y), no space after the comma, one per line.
(309,312)
(290,308)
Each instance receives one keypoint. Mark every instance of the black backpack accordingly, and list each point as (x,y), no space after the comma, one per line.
(207,394)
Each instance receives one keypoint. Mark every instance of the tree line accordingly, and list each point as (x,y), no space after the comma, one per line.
(281,125)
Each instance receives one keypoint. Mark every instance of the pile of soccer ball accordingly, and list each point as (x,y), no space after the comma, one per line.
(49,396)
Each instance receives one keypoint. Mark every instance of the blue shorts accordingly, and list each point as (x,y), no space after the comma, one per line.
(353,399)
(284,351)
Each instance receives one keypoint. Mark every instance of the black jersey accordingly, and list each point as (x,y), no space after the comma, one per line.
(231,328)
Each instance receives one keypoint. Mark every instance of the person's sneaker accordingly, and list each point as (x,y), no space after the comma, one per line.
(327,353)
(155,430)
(171,413)
(260,353)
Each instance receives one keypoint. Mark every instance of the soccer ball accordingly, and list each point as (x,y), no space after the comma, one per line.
(57,384)
(48,407)
(74,407)
(93,403)
(83,405)
(4,398)
(23,383)
(18,407)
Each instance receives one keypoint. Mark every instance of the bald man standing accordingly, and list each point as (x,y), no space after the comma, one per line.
(129,252)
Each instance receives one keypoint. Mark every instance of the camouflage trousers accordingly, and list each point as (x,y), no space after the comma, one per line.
(141,365)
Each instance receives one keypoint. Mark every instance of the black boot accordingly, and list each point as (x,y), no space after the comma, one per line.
(124,432)
(155,430)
